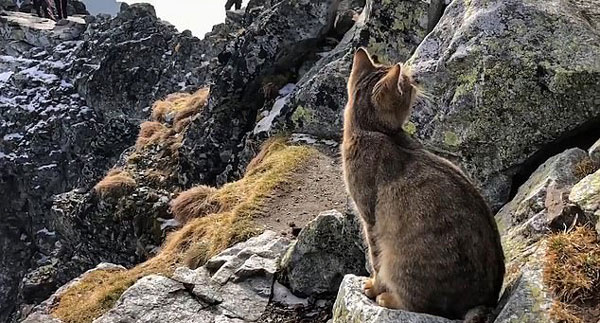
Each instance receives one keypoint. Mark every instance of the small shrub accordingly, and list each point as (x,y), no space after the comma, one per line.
(194,203)
(116,183)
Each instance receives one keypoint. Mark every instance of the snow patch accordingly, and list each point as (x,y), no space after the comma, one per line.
(168,223)
(5,76)
(34,74)
(49,166)
(266,123)
(13,136)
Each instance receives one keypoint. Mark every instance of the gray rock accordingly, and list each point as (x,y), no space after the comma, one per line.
(586,195)
(328,248)
(541,200)
(154,299)
(238,282)
(493,126)
(594,151)
(72,97)
(352,305)
(527,299)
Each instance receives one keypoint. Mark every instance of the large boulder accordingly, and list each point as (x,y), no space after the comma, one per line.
(352,305)
(504,80)
(389,29)
(542,201)
(328,248)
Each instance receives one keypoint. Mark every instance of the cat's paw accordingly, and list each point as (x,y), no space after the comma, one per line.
(387,300)
(369,288)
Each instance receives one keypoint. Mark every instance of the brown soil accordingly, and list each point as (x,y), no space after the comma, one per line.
(315,188)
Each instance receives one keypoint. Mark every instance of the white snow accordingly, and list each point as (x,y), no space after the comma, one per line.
(302,137)
(266,123)
(12,136)
(49,166)
(46,232)
(168,223)
(36,75)
(5,76)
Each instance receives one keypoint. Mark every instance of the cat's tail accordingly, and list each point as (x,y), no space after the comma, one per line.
(480,314)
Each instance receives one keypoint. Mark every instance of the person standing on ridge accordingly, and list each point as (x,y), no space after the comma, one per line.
(61,9)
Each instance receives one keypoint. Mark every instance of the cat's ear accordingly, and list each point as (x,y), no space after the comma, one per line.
(361,64)
(389,86)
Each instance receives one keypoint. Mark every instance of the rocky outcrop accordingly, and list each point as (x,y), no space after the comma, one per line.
(153,60)
(235,286)
(328,248)
(72,97)
(42,312)
(275,42)
(352,305)
(390,29)
(490,67)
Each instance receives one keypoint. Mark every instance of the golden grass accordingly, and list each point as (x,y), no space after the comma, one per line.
(181,106)
(572,270)
(116,183)
(194,203)
(563,313)
(150,131)
(200,239)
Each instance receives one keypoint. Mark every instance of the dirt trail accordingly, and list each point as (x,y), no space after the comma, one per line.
(316,187)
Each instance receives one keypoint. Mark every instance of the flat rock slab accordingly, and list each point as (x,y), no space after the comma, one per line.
(352,305)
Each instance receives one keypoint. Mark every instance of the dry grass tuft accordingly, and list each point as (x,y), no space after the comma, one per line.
(194,203)
(586,167)
(563,313)
(200,239)
(116,183)
(573,265)
(572,270)
(180,106)
(150,131)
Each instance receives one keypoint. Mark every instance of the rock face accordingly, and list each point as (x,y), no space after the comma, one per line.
(526,299)
(490,67)
(390,29)
(153,59)
(275,42)
(541,200)
(234,286)
(328,248)
(352,305)
(71,99)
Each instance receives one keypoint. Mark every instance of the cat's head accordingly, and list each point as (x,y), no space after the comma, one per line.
(380,96)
